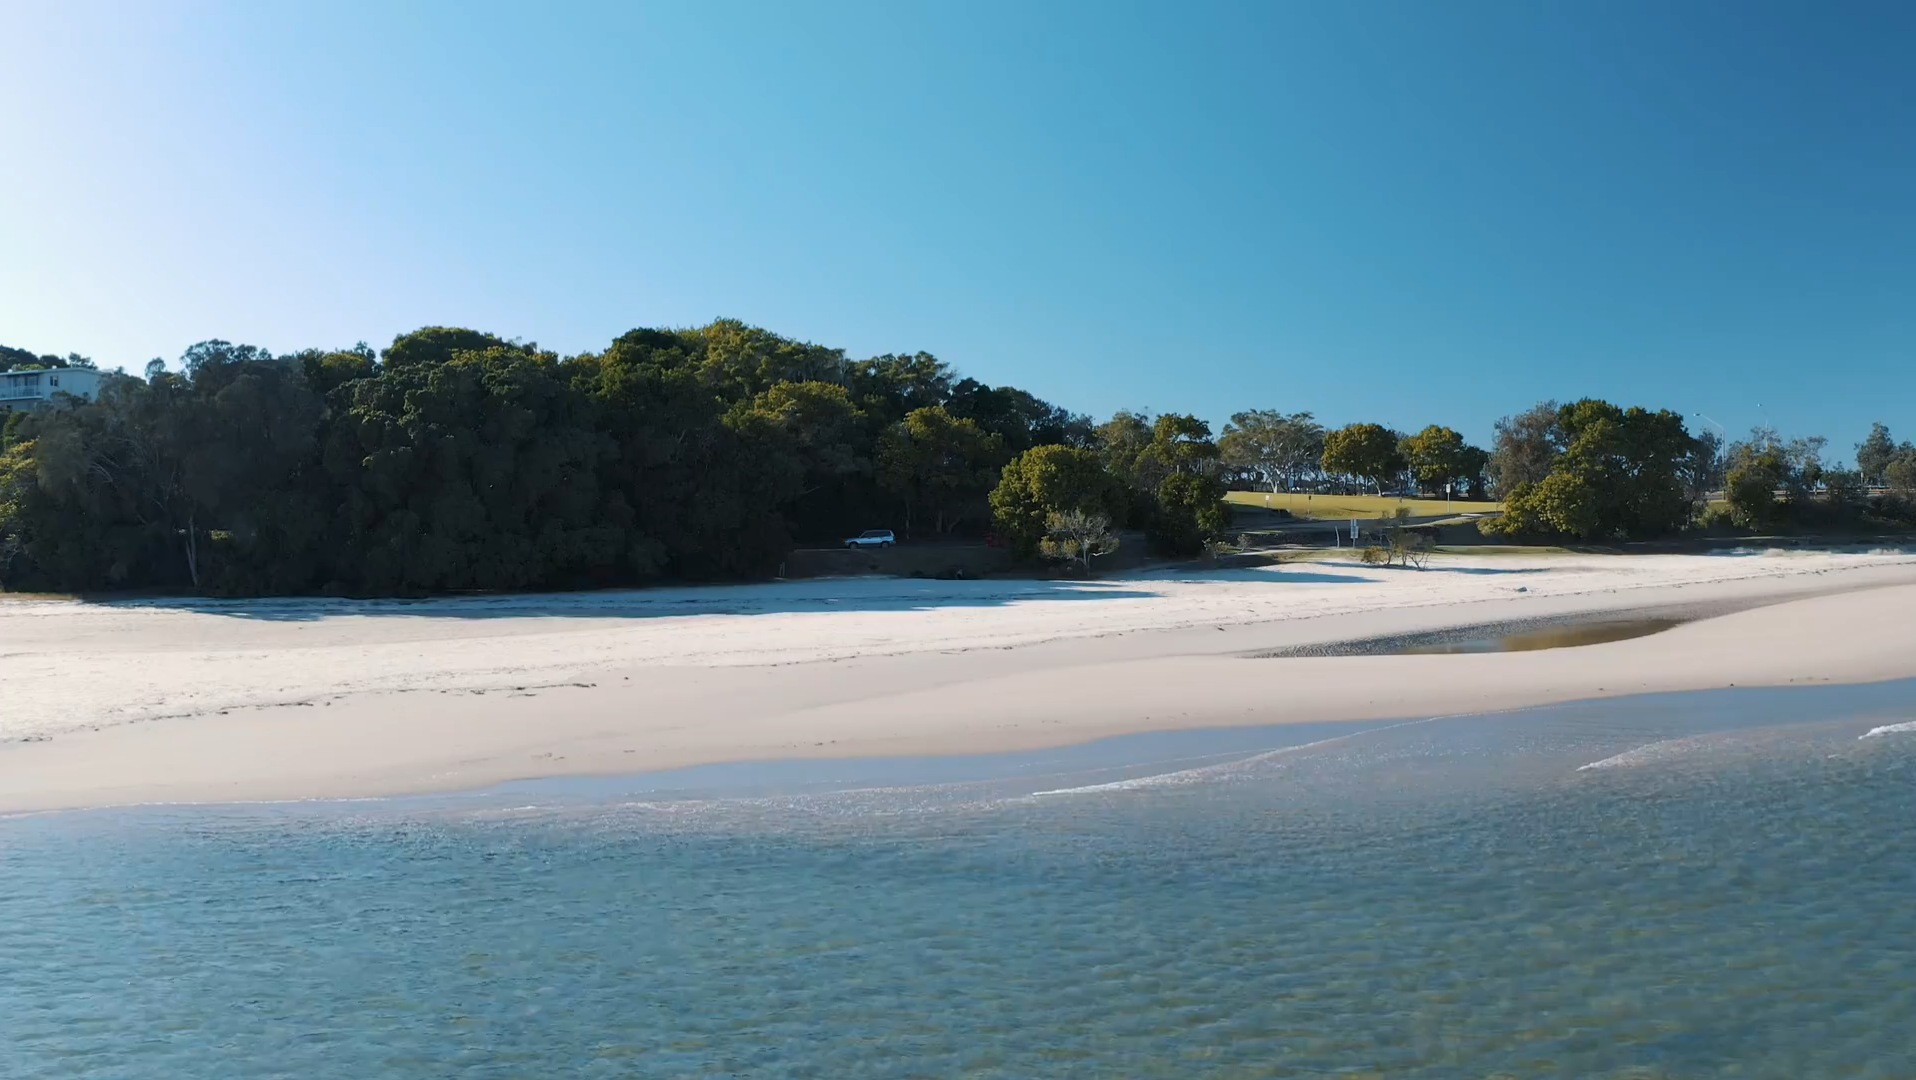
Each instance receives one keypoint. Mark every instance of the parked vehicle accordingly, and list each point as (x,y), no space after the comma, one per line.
(878,538)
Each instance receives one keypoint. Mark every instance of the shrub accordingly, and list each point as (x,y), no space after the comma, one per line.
(1190,514)
(1077,536)
(1048,480)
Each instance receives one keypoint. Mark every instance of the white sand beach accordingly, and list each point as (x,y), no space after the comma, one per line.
(193,700)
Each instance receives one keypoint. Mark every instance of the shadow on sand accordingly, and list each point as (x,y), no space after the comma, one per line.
(866,594)
(842,594)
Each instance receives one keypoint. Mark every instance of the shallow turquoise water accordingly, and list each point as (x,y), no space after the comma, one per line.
(1732,892)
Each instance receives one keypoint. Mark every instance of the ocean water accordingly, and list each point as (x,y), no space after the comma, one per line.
(1703,885)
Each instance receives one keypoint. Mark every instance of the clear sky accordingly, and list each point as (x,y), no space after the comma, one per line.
(1402,212)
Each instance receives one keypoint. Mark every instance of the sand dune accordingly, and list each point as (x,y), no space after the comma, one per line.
(196,700)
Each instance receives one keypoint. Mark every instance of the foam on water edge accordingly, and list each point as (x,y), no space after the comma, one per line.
(1661,750)
(1907,727)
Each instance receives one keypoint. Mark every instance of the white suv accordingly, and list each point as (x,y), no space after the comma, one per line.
(878,538)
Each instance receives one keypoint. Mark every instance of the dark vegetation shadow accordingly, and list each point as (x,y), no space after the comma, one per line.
(839,594)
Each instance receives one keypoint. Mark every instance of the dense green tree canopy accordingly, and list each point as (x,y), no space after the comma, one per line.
(1049,480)
(457,459)
(1523,448)
(1439,459)
(1369,451)
(937,465)
(1190,513)
(12,359)
(1275,447)
(1875,453)
(1618,476)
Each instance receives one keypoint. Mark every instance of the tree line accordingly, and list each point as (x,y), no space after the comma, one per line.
(457,460)
(1591,470)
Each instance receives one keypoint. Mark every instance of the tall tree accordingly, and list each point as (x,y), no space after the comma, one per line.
(1363,450)
(1439,459)
(477,472)
(1190,513)
(1524,447)
(817,426)
(1180,444)
(1121,442)
(937,464)
(1018,419)
(1275,446)
(327,370)
(430,345)
(1703,467)
(153,476)
(1619,476)
(1048,480)
(1874,454)
(740,360)
(1900,473)
(1792,467)
(255,468)
(1757,470)
(887,387)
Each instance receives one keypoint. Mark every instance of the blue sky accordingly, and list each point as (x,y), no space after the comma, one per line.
(1401,212)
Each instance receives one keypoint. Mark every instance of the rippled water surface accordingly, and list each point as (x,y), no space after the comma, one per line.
(1686,886)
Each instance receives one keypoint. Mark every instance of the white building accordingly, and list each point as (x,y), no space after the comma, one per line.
(30,389)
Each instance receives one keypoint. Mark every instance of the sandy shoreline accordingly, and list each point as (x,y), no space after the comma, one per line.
(196,701)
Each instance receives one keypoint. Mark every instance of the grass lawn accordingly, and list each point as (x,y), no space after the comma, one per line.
(1344,507)
(1508,549)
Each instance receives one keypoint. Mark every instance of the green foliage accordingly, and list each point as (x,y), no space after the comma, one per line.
(1750,489)
(12,359)
(1618,476)
(741,360)
(1078,536)
(13,423)
(1180,444)
(132,488)
(889,386)
(1703,467)
(477,472)
(1018,420)
(460,460)
(1875,454)
(1047,480)
(1369,451)
(1190,514)
(1438,457)
(1844,489)
(1900,473)
(937,464)
(1272,446)
(327,371)
(1524,448)
(1770,482)
(430,345)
